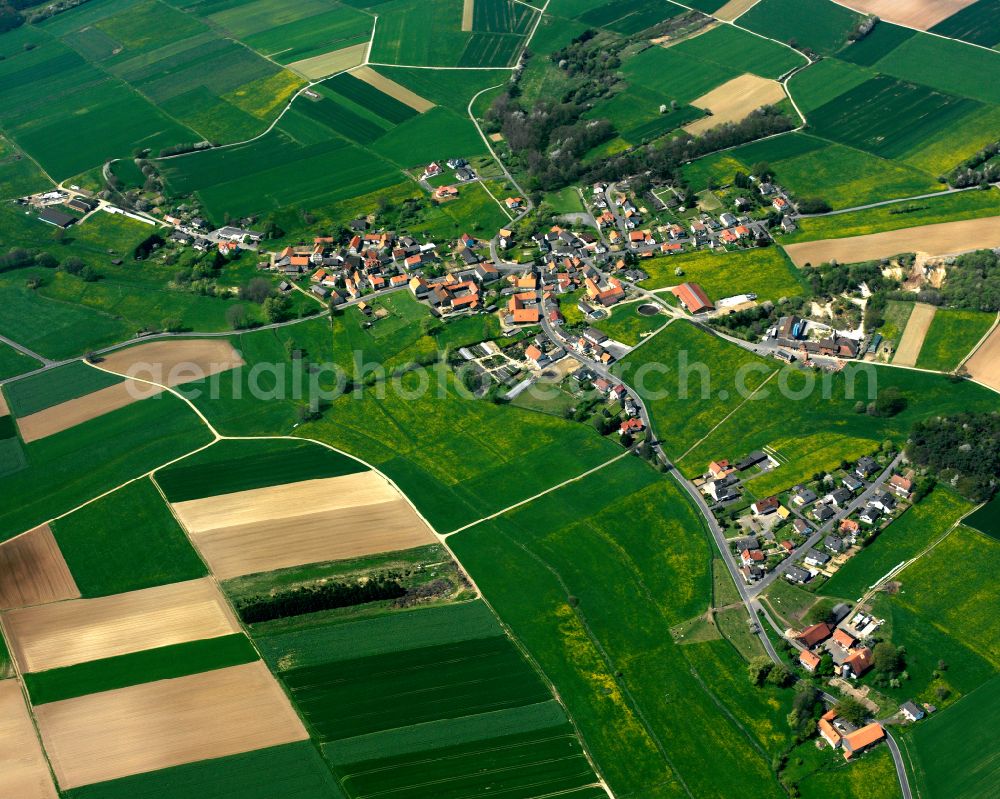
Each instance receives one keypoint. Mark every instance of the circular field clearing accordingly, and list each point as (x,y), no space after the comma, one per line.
(648,309)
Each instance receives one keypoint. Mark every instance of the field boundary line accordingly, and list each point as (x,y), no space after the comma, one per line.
(424,66)
(538,495)
(371,42)
(726,417)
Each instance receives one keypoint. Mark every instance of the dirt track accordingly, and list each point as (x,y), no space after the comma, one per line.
(922,14)
(79,630)
(734,100)
(166,723)
(174,361)
(393,89)
(24,773)
(306,522)
(32,571)
(984,365)
(943,238)
(82,409)
(913,336)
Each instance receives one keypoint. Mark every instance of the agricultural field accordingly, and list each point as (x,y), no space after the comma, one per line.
(94,457)
(13,362)
(630,18)
(766,271)
(19,174)
(952,335)
(291,771)
(885,38)
(428,695)
(825,775)
(625,536)
(986,519)
(954,754)
(974,204)
(897,314)
(126,541)
(56,386)
(820,25)
(27,774)
(902,540)
(978,23)
(32,570)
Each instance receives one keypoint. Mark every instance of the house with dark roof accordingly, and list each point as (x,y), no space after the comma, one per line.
(56,217)
(796,574)
(865,467)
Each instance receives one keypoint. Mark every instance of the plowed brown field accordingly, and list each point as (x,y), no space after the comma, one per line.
(32,571)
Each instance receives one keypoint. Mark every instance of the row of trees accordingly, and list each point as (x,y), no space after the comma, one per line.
(312,598)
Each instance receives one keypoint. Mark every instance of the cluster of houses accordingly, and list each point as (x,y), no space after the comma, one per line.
(851,657)
(616,394)
(841,734)
(791,334)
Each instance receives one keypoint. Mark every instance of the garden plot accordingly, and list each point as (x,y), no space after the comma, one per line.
(82,409)
(171,363)
(166,723)
(33,571)
(79,630)
(305,522)
(24,773)
(921,14)
(941,239)
(914,334)
(734,100)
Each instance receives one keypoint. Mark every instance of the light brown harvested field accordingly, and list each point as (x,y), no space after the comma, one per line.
(33,571)
(305,522)
(944,238)
(166,723)
(734,100)
(393,89)
(984,365)
(321,66)
(734,9)
(922,14)
(82,409)
(174,361)
(4,410)
(24,774)
(914,334)
(468,7)
(79,630)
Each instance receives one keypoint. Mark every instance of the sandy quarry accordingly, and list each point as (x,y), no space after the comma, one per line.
(944,238)
(32,570)
(319,66)
(393,89)
(166,723)
(24,773)
(734,100)
(305,522)
(912,340)
(984,365)
(79,630)
(174,361)
(922,14)
(82,409)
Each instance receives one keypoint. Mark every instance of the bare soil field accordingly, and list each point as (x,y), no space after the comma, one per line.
(468,8)
(984,365)
(79,630)
(298,523)
(82,409)
(4,410)
(166,723)
(24,774)
(393,89)
(734,100)
(321,66)
(734,9)
(33,571)
(922,14)
(913,336)
(173,362)
(944,238)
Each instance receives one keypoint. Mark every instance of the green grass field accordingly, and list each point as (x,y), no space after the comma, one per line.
(163,663)
(230,466)
(731,47)
(126,541)
(897,314)
(948,208)
(987,519)
(676,74)
(871,776)
(951,336)
(978,23)
(19,174)
(14,363)
(955,753)
(54,386)
(823,81)
(885,38)
(292,771)
(817,24)
(91,458)
(628,326)
(624,537)
(765,271)
(902,540)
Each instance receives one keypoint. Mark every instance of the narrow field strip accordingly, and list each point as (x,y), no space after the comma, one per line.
(24,774)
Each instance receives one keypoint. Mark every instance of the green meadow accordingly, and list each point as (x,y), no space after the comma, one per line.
(951,336)
(817,24)
(55,386)
(14,363)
